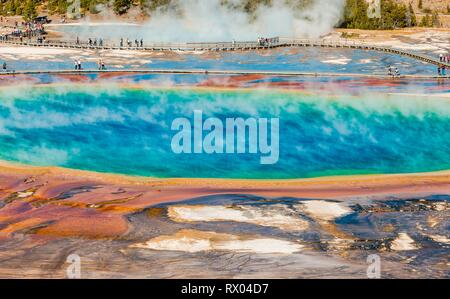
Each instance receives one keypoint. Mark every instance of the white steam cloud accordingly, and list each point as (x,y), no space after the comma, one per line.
(209,20)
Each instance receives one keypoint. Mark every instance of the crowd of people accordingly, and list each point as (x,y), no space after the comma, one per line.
(94,42)
(25,30)
(129,43)
(444,58)
(264,42)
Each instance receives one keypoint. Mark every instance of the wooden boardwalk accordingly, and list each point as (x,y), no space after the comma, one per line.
(212,72)
(234,46)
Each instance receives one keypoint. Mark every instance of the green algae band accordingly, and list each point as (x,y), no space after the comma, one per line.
(128,131)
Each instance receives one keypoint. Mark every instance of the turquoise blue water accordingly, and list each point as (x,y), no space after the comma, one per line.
(128,131)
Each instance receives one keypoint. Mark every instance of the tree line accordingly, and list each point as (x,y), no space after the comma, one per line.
(356,12)
(29,8)
(393,15)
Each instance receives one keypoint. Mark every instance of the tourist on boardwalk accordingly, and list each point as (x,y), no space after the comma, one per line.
(121,42)
(101,65)
(5,67)
(390,73)
(76,64)
(439,71)
(78,40)
(90,42)
(142,43)
(100,42)
(397,72)
(260,41)
(444,71)
(79,64)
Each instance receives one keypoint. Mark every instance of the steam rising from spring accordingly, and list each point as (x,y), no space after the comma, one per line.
(211,20)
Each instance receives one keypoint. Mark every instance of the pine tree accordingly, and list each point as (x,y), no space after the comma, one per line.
(425,21)
(435,21)
(412,19)
(12,7)
(29,11)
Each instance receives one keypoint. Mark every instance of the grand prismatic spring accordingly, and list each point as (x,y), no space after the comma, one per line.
(88,170)
(359,171)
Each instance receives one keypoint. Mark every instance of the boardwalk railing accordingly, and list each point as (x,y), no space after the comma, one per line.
(227,46)
(361,45)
